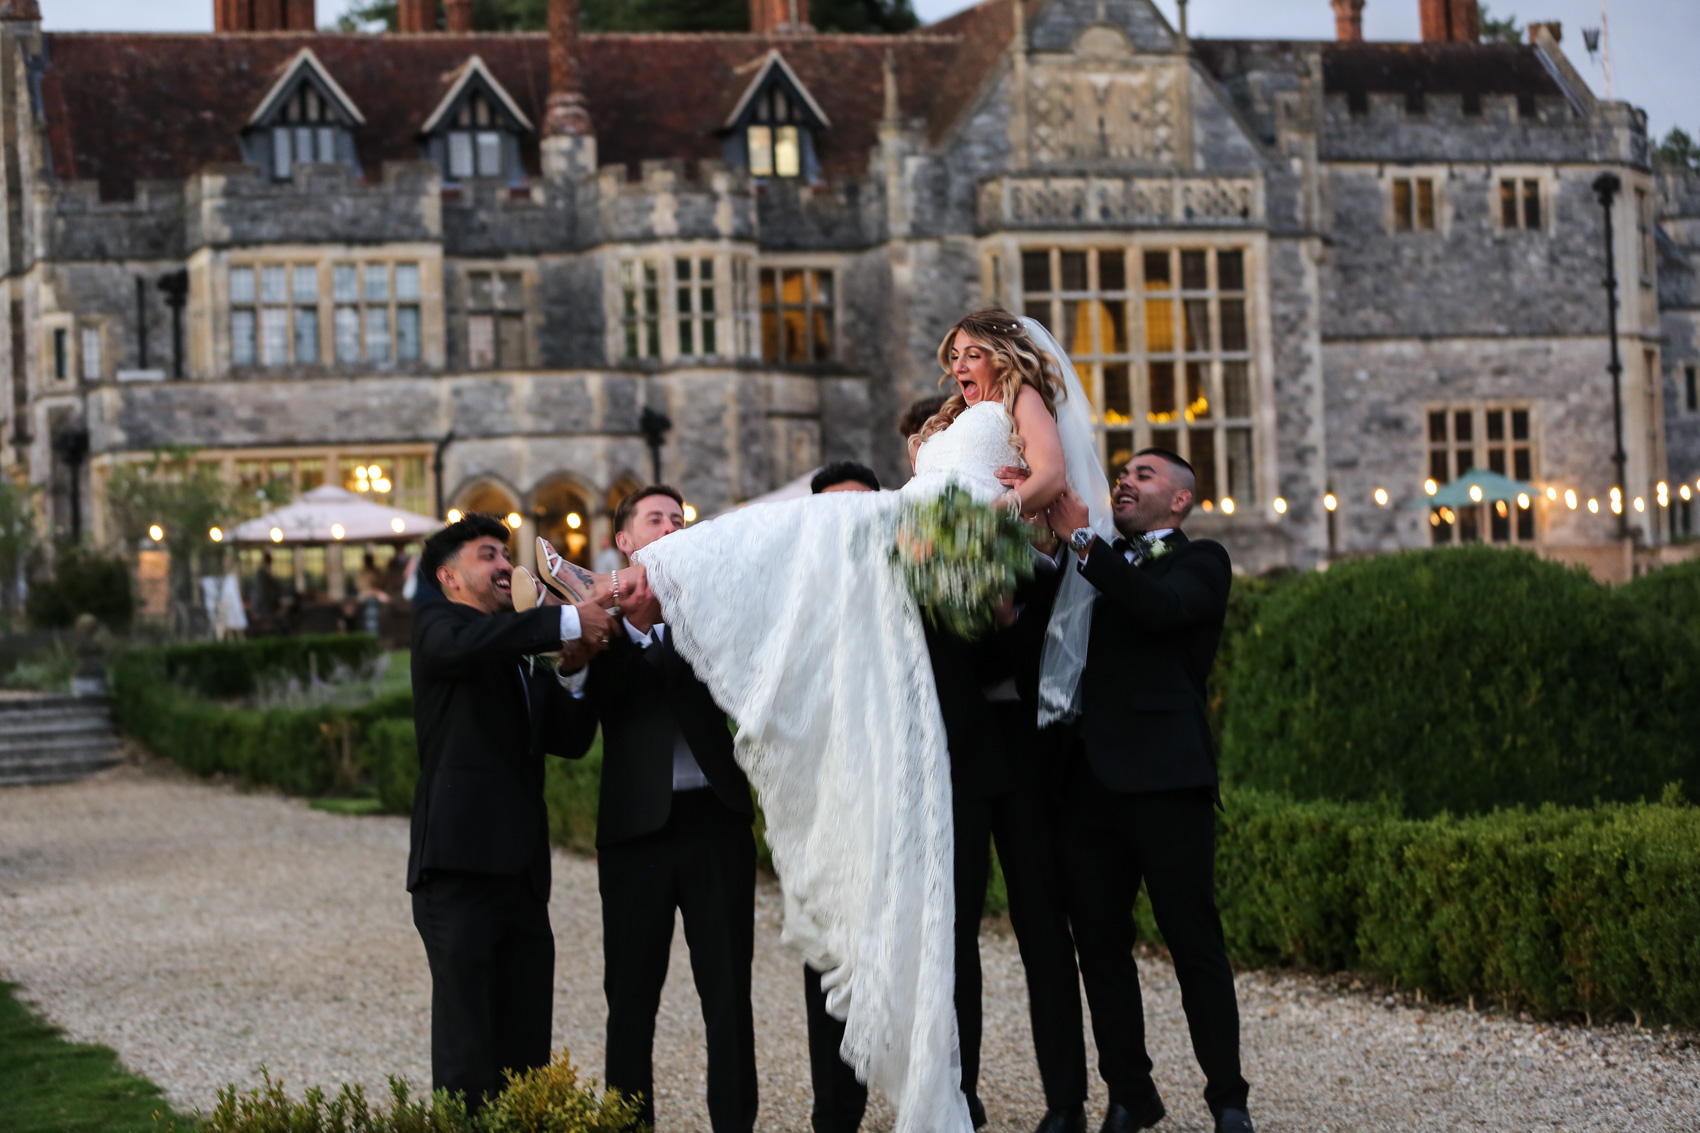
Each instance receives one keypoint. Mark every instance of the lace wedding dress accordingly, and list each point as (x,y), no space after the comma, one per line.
(795,618)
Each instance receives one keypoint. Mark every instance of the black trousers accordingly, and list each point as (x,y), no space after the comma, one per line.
(703,863)
(1167,839)
(840,1100)
(492,958)
(1022,824)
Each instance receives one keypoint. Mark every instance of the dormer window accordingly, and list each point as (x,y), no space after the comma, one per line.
(772,129)
(305,118)
(475,131)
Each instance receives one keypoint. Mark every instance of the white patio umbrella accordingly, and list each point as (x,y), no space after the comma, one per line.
(330,514)
(795,490)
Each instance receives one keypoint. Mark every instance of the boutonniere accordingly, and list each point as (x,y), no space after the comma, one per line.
(1152,548)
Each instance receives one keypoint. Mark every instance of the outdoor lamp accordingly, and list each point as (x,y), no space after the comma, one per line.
(156,533)
(514,520)
(1570,498)
(1280,506)
(454,515)
(277,535)
(690,514)
(398,525)
(1523,500)
(1476,493)
(1328,501)
(1381,496)
(337,531)
(1430,487)
(216,535)
(574,520)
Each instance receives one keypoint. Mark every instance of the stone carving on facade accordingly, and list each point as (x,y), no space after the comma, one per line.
(1119,202)
(1103,103)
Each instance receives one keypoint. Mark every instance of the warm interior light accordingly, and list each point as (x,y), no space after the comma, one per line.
(1381,496)
(216,535)
(1280,506)
(277,535)
(360,472)
(1329,502)
(1476,493)
(1430,487)
(156,533)
(454,515)
(337,531)
(690,514)
(1570,498)
(1523,500)
(514,520)
(1594,506)
(375,471)
(362,485)
(574,520)
(381,485)
(398,525)
(1227,505)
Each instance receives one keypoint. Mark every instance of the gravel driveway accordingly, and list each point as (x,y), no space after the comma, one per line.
(201,932)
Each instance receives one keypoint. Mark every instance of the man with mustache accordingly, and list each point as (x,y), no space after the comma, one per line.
(1139,801)
(485,711)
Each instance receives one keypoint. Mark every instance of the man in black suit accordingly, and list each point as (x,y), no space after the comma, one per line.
(1140,801)
(672,832)
(478,864)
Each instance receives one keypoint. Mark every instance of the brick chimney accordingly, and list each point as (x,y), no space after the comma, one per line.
(20,11)
(416,16)
(459,15)
(1553,28)
(260,15)
(770,17)
(567,116)
(1349,21)
(1451,21)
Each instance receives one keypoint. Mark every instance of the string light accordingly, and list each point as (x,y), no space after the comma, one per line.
(398,525)
(690,514)
(216,535)
(1280,506)
(1430,487)
(514,520)
(277,535)
(1381,496)
(1523,500)
(1617,507)
(1640,504)
(1476,493)
(1227,505)
(1328,501)
(1684,492)
(1594,507)
(1570,498)
(574,520)
(337,531)
(156,533)
(454,515)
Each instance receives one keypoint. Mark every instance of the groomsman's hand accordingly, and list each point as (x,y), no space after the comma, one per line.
(637,601)
(596,628)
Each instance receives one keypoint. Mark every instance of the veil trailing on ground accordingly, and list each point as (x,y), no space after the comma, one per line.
(1064,658)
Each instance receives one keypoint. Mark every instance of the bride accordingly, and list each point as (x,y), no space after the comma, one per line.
(795,618)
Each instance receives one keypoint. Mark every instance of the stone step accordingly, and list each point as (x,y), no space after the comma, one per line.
(55,724)
(52,738)
(63,741)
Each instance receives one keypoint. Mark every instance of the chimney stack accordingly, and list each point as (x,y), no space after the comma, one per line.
(1349,20)
(1553,28)
(567,116)
(20,11)
(259,15)
(416,16)
(779,17)
(459,15)
(1451,21)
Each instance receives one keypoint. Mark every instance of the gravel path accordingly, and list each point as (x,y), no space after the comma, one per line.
(201,932)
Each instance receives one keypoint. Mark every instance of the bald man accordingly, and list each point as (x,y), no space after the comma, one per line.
(1139,804)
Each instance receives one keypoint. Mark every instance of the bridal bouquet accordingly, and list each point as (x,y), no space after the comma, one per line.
(960,558)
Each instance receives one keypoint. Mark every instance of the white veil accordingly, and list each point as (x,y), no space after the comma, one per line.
(1071,619)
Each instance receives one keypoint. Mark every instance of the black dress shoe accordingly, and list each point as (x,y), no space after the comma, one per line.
(1234,1121)
(976,1111)
(1071,1120)
(1143,1114)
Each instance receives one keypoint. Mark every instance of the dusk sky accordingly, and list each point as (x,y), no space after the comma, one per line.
(1652,41)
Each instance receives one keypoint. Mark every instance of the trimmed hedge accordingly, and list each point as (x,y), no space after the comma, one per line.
(159,696)
(1461,680)
(1563,910)
(1671,592)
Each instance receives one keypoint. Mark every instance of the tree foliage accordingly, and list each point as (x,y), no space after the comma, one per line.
(1495,30)
(17,541)
(1679,149)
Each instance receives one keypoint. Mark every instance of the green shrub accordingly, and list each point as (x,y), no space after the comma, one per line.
(1671,592)
(549,1099)
(1246,600)
(235,668)
(1461,679)
(1561,910)
(83,582)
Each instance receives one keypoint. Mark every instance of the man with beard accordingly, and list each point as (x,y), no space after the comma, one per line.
(485,711)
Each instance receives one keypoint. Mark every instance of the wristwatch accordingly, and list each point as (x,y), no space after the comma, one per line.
(1081,539)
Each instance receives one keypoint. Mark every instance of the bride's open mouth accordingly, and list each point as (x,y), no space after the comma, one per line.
(970,391)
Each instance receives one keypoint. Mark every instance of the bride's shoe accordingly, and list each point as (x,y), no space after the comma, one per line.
(565,577)
(525,590)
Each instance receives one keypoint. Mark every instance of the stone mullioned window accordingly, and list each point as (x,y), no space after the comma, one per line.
(798,315)
(280,313)
(1163,339)
(683,303)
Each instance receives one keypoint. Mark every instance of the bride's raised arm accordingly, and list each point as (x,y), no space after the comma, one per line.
(1042,449)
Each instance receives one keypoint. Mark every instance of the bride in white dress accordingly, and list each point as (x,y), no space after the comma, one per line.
(795,618)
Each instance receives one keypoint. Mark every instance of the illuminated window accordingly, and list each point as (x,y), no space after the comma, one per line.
(761,150)
(1163,341)
(1500,438)
(797,309)
(778,129)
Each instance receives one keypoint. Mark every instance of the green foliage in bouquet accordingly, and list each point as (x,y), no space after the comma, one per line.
(960,558)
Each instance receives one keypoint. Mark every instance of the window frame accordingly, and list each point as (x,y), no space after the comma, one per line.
(1244,439)
(645,312)
(295,319)
(499,312)
(771,316)
(1523,180)
(1409,195)
(1482,446)
(307,125)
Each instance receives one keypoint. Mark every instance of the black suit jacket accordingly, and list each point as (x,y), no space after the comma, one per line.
(484,720)
(1154,635)
(640,697)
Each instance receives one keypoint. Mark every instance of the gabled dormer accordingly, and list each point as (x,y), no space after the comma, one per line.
(305,117)
(771,131)
(475,130)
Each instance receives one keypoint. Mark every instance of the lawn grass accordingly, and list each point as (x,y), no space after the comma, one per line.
(357,806)
(49,1085)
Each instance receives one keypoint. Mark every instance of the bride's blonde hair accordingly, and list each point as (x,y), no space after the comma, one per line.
(1016,361)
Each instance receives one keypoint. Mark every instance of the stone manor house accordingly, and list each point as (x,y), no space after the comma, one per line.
(1326,272)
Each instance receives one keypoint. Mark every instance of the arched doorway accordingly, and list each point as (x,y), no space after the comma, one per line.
(490,498)
(564,518)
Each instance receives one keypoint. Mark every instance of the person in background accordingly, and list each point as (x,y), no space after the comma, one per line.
(608,557)
(920,411)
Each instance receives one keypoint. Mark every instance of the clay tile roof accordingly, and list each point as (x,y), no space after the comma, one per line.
(123,108)
(985,31)
(1436,68)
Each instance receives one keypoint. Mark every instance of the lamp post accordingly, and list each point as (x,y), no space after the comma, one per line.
(654,425)
(1606,187)
(437,469)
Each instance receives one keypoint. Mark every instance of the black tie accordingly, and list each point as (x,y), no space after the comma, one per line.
(1121,546)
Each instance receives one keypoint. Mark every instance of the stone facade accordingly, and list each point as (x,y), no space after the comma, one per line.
(1325,245)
